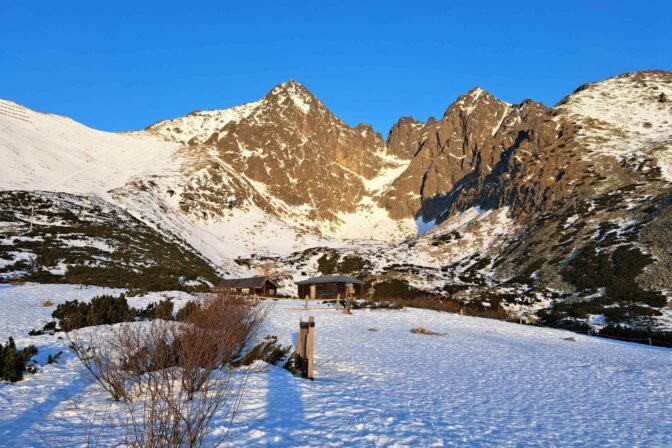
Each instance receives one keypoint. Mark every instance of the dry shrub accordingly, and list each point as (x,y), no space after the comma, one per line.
(426,332)
(176,376)
(452,306)
(268,350)
(97,353)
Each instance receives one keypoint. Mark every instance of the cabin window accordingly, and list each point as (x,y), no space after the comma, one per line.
(245,290)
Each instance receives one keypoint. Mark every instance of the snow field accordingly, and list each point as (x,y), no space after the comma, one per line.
(487,383)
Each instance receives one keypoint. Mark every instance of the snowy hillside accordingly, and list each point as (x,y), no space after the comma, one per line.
(50,152)
(172,187)
(485,383)
(628,116)
(66,238)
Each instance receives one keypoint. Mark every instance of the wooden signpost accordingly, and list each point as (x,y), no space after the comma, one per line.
(306,345)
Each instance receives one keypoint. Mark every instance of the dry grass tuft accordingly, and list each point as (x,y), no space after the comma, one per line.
(427,332)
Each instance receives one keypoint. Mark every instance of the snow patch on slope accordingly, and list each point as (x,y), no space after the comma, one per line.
(624,117)
(370,221)
(50,152)
(201,124)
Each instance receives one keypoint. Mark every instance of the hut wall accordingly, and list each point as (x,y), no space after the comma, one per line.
(328,290)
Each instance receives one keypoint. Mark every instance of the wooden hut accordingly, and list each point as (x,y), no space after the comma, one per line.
(259,285)
(330,286)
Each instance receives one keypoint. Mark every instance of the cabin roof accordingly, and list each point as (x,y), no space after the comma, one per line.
(249,282)
(331,279)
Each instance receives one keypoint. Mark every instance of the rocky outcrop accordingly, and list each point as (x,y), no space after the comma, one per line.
(404,137)
(459,150)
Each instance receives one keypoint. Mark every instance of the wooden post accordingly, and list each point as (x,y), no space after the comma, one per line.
(305,347)
(338,299)
(32,215)
(650,341)
(310,343)
(299,349)
(306,303)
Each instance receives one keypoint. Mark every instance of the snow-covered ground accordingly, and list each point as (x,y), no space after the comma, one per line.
(486,383)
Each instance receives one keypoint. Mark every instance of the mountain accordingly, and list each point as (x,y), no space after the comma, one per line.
(306,165)
(560,214)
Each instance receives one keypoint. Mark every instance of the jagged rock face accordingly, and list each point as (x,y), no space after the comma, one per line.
(536,167)
(304,155)
(403,138)
(484,152)
(461,148)
(603,143)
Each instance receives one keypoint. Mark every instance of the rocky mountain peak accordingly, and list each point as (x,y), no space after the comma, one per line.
(474,99)
(292,93)
(444,152)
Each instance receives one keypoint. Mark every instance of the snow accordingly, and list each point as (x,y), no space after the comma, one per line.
(370,221)
(49,152)
(424,227)
(501,120)
(393,169)
(22,308)
(200,124)
(53,153)
(486,383)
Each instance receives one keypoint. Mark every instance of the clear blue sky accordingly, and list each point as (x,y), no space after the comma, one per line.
(123,65)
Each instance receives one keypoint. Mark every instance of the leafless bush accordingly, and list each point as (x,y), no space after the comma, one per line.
(215,334)
(175,376)
(96,351)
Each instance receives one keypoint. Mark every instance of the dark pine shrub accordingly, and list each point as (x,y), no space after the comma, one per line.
(14,362)
(103,310)
(107,310)
(395,288)
(160,310)
(642,335)
(71,315)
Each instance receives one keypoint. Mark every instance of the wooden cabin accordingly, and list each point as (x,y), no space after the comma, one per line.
(330,286)
(259,285)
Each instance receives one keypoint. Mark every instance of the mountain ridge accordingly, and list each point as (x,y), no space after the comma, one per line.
(507,201)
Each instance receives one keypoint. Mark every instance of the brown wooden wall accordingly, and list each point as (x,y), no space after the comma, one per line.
(328,290)
(267,289)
